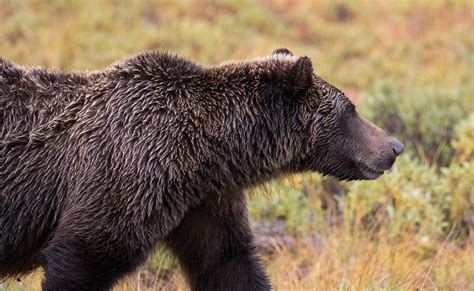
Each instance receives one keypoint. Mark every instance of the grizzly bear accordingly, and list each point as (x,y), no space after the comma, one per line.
(98,168)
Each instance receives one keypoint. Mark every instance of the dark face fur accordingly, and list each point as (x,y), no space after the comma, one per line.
(339,141)
(353,147)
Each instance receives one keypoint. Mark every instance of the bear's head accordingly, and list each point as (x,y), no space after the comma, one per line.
(335,139)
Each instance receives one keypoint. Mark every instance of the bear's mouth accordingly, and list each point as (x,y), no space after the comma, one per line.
(370,172)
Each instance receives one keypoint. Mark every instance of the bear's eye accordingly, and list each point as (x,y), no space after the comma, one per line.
(350,110)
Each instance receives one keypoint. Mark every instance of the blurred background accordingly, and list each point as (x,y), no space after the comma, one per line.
(408,65)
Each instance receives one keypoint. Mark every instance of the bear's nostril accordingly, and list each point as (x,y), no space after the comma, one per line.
(398,147)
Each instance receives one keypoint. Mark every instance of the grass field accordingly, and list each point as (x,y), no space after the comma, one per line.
(409,65)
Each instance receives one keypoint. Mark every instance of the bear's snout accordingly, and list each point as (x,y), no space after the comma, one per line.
(377,151)
(397,147)
(386,156)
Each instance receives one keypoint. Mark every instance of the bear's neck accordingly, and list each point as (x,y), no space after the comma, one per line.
(250,137)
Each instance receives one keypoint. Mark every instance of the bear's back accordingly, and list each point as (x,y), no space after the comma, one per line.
(30,97)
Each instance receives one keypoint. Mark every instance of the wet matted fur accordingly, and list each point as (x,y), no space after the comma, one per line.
(98,168)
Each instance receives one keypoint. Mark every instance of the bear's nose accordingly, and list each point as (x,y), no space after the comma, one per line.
(397,147)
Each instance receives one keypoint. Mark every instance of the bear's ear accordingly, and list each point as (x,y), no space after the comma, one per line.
(289,77)
(301,74)
(282,51)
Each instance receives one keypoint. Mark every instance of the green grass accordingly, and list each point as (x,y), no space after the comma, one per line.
(408,65)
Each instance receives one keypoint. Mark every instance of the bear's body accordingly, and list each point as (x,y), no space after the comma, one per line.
(97,168)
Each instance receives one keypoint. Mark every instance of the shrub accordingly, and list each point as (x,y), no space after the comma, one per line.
(464,142)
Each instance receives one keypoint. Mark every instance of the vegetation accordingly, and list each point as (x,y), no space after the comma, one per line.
(409,66)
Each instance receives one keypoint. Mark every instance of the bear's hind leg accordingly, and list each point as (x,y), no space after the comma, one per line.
(214,246)
(86,261)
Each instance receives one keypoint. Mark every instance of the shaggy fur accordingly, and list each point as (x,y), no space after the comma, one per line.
(97,168)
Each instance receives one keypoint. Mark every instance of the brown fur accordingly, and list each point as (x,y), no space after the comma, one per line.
(97,168)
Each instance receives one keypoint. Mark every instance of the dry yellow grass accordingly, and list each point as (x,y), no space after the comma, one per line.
(340,261)
(350,263)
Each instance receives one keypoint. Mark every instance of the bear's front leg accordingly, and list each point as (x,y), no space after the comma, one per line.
(214,245)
